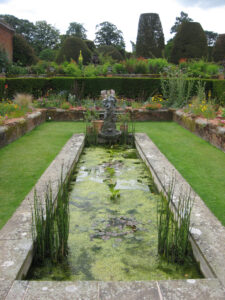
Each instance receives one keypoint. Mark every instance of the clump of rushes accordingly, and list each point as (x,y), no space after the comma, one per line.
(51,225)
(174,228)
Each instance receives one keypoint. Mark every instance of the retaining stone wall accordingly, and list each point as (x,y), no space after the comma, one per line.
(213,134)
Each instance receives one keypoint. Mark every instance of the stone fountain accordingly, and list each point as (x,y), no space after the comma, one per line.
(109,132)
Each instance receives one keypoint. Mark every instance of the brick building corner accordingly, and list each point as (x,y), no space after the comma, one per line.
(6,39)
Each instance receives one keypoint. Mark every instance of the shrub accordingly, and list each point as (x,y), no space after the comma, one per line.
(141,67)
(71,48)
(72,69)
(47,54)
(111,51)
(119,68)
(157,65)
(201,68)
(16,70)
(176,88)
(90,71)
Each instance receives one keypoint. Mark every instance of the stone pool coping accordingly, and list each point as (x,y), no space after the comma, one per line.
(16,244)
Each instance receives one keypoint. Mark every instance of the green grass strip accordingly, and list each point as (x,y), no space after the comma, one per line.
(200,163)
(23,162)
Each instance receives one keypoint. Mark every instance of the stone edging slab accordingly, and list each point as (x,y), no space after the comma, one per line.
(207,233)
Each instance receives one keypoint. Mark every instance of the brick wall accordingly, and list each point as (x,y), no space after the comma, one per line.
(6,40)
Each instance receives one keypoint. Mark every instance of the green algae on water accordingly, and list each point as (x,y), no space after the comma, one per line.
(113,239)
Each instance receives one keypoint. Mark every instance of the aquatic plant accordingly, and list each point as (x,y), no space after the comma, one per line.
(174,226)
(50,222)
(114,192)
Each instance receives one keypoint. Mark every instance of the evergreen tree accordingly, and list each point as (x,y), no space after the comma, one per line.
(219,50)
(150,37)
(189,42)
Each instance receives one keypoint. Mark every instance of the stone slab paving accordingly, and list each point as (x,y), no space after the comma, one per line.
(201,289)
(207,233)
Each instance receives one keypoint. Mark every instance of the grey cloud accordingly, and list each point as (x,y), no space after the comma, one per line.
(202,3)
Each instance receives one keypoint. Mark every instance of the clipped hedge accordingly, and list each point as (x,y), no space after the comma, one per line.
(91,87)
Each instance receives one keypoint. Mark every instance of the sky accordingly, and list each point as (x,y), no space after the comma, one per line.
(122,13)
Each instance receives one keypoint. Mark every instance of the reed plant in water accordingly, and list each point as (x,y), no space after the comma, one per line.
(174,226)
(50,228)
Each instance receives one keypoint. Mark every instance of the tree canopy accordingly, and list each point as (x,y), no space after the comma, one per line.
(78,30)
(21,26)
(109,35)
(45,36)
(183,18)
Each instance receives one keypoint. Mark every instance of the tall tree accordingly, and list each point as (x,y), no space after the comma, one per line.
(189,42)
(109,35)
(219,49)
(78,30)
(45,36)
(179,20)
(150,37)
(21,26)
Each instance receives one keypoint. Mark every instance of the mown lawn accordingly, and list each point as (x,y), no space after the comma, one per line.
(23,161)
(200,163)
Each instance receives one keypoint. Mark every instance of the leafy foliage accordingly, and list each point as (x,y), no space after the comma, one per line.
(111,51)
(109,35)
(77,29)
(47,54)
(21,26)
(150,37)
(45,36)
(189,42)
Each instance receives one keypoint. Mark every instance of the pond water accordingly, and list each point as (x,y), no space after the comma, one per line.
(113,223)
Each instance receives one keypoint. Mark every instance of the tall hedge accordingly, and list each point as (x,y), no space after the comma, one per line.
(150,37)
(140,88)
(189,42)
